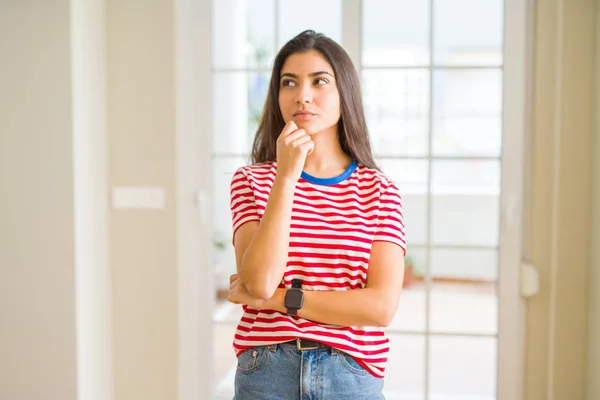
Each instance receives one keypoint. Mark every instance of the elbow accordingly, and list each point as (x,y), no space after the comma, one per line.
(258,282)
(383,321)
(386,314)
(260,291)
(386,320)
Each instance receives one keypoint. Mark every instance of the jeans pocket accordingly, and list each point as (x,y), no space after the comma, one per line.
(252,359)
(351,365)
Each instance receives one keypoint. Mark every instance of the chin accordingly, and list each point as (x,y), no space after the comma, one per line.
(308,127)
(312,131)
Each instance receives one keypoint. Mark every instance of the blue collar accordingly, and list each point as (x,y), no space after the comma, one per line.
(331,181)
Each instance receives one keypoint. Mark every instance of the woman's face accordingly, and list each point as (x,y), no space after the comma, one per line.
(308,93)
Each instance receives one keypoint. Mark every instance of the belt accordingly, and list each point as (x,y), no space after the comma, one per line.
(304,344)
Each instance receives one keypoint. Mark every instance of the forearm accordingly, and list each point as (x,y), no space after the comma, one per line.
(359,307)
(265,258)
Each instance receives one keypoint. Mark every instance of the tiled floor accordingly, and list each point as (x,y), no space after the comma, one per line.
(461,367)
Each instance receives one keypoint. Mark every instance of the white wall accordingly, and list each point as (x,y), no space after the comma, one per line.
(37,266)
(140,65)
(53,232)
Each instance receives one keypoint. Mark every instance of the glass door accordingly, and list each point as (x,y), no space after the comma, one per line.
(439,94)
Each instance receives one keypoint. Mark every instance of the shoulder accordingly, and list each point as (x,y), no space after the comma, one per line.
(259,168)
(260,173)
(371,176)
(255,169)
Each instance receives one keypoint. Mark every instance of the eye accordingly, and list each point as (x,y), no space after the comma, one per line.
(321,81)
(288,82)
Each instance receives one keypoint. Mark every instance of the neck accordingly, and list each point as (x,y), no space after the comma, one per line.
(327,159)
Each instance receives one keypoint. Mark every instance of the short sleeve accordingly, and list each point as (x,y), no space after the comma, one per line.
(390,223)
(243,204)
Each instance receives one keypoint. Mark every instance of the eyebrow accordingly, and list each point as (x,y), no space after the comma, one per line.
(312,74)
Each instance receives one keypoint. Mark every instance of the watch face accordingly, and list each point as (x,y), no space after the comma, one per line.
(294,299)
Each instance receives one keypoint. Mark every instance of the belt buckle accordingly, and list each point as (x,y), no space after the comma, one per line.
(299,346)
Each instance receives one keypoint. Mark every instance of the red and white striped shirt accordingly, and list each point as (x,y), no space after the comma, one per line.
(334,223)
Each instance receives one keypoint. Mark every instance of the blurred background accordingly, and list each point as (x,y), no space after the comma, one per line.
(122,122)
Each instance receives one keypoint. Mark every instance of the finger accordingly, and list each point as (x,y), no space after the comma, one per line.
(233,278)
(298,133)
(288,128)
(308,147)
(300,141)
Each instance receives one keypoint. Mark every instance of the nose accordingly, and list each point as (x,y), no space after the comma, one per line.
(304,95)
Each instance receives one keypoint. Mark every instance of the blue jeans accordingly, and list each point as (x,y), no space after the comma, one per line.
(283,372)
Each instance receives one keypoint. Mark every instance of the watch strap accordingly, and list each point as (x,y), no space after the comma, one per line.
(297,283)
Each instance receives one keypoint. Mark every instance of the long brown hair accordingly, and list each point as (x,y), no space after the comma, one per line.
(352,127)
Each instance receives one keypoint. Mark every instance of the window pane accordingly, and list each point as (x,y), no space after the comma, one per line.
(472,177)
(467,112)
(473,136)
(463,308)
(320,16)
(258,87)
(397,111)
(463,295)
(238,101)
(395,33)
(243,33)
(465,203)
(468,32)
(406,368)
(465,264)
(462,368)
(412,308)
(411,178)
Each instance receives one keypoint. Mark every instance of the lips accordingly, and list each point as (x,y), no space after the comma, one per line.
(304,115)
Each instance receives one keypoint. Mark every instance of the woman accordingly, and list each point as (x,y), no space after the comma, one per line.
(318,235)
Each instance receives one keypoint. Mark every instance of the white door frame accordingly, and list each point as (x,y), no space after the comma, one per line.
(516,102)
(194,221)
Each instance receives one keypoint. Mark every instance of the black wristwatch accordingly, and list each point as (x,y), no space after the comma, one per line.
(294,297)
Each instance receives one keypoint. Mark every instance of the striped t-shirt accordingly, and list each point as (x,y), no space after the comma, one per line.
(334,223)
